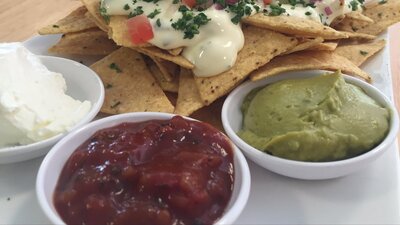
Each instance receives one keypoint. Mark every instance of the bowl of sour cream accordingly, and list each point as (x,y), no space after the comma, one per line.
(310,124)
(41,99)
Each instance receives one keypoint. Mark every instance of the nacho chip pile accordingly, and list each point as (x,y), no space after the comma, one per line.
(147,78)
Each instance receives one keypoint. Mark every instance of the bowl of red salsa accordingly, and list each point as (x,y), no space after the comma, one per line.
(144,168)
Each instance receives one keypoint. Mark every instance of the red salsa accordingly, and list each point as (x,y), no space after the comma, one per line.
(154,172)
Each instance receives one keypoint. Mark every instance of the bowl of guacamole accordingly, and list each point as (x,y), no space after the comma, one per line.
(310,124)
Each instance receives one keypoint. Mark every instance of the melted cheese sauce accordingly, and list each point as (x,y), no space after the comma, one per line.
(214,50)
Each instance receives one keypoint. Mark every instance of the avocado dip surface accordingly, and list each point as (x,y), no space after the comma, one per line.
(315,119)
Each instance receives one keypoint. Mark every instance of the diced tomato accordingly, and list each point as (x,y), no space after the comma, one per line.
(140,29)
(190,3)
(267,2)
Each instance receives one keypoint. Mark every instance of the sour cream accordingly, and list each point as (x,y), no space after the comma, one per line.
(33,103)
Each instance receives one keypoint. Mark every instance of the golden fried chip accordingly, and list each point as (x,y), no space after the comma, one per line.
(309,60)
(119,32)
(130,87)
(163,54)
(175,51)
(385,13)
(168,69)
(260,46)
(359,36)
(324,46)
(88,42)
(74,22)
(359,53)
(294,26)
(189,99)
(171,85)
(305,43)
(93,7)
(356,15)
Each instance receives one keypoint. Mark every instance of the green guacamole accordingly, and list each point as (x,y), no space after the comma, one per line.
(316,119)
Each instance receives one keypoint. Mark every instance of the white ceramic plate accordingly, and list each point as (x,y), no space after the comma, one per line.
(371,196)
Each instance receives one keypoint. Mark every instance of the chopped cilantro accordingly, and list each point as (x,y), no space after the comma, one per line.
(221,3)
(136,12)
(175,1)
(126,7)
(363,52)
(103,13)
(158,22)
(354,5)
(115,67)
(56,26)
(382,2)
(189,23)
(276,10)
(240,9)
(154,13)
(308,13)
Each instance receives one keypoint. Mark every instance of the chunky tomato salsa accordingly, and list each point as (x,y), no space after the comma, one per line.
(154,172)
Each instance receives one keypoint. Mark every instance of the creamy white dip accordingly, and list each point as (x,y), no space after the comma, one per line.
(214,49)
(33,103)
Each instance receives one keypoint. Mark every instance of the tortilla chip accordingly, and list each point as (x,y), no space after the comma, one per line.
(175,51)
(119,32)
(294,26)
(93,7)
(356,15)
(359,36)
(163,54)
(129,85)
(74,22)
(168,69)
(88,42)
(171,86)
(359,53)
(305,44)
(309,60)
(260,47)
(189,99)
(211,114)
(325,46)
(384,15)
(337,20)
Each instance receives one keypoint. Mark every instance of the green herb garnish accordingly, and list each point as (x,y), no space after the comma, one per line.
(363,52)
(136,12)
(115,67)
(308,13)
(382,2)
(103,13)
(56,26)
(240,9)
(276,10)
(354,5)
(189,23)
(158,22)
(154,13)
(127,7)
